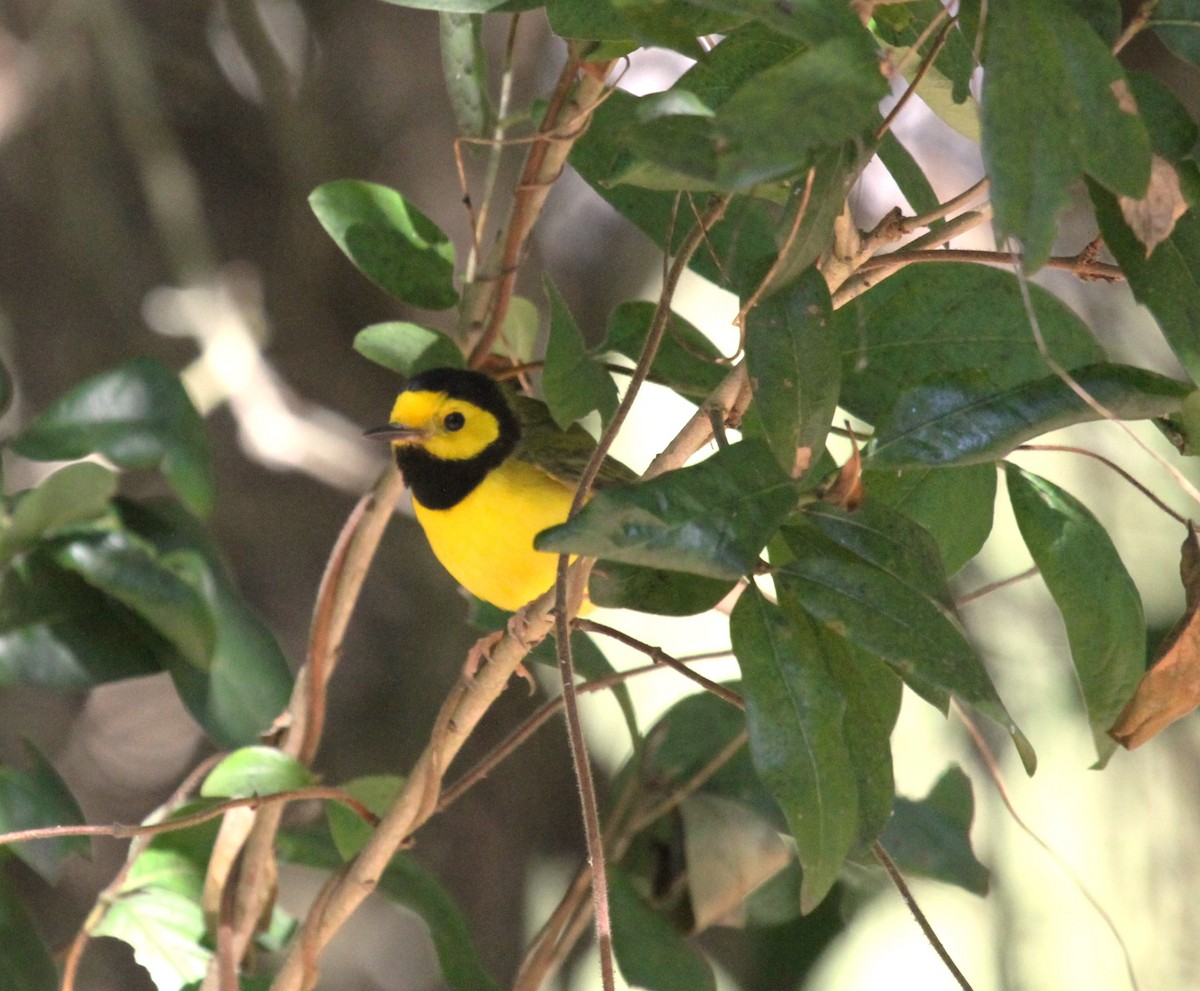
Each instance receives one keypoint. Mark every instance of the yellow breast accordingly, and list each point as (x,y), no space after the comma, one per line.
(486,540)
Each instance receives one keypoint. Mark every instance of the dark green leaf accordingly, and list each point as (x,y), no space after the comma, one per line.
(712,518)
(573,383)
(954,505)
(346,827)
(795,711)
(792,359)
(408,884)
(828,94)
(1099,603)
(1177,24)
(6,389)
(860,582)
(57,630)
(163,592)
(932,837)
(1172,131)
(903,25)
(248,682)
(407,348)
(964,419)
(76,494)
(137,416)
(686,360)
(672,25)
(256,770)
(25,962)
(1056,105)
(651,953)
(909,176)
(38,798)
(938,319)
(654,590)
(1167,282)
(395,245)
(596,20)
(810,21)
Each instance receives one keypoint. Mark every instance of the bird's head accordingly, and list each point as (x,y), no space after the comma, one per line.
(453,415)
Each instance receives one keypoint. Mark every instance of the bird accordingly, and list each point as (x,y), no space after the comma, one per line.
(488,470)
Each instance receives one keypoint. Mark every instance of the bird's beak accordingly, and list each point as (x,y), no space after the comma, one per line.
(395,432)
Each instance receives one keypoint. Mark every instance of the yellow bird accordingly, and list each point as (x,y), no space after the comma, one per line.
(487,472)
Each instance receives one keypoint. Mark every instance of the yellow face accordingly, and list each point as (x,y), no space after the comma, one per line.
(450,429)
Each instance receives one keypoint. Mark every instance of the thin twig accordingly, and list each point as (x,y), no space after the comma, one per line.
(1069,263)
(922,69)
(897,879)
(995,586)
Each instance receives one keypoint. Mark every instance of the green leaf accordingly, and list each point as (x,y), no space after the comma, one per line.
(964,419)
(408,884)
(596,20)
(795,711)
(654,590)
(157,912)
(572,382)
(903,25)
(257,770)
(6,389)
(137,416)
(810,21)
(878,583)
(932,837)
(468,6)
(792,359)
(672,25)
(390,241)
(1167,282)
(78,493)
(954,505)
(58,631)
(248,682)
(347,829)
(1099,603)
(686,361)
(407,348)
(828,93)
(1177,24)
(36,798)
(909,176)
(711,519)
(1056,105)
(651,953)
(937,319)
(464,69)
(160,591)
(25,962)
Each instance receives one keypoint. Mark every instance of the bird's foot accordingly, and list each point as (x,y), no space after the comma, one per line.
(481,652)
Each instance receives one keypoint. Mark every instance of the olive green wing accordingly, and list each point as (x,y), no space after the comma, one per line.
(561,453)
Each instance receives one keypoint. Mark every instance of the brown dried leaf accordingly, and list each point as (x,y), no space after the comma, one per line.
(1152,218)
(1171,688)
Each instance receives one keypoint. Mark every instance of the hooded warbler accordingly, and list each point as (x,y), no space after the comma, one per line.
(488,470)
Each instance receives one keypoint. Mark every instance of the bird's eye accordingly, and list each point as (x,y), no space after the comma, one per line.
(454,421)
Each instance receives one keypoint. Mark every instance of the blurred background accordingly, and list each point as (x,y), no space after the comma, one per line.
(155,163)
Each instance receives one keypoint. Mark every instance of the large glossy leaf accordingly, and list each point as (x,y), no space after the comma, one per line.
(127,570)
(247,683)
(57,630)
(795,712)
(25,962)
(35,798)
(407,348)
(1099,603)
(1177,23)
(1056,105)
(954,505)
(393,244)
(686,361)
(572,382)
(409,885)
(137,416)
(76,494)
(932,837)
(651,953)
(1167,282)
(255,770)
(859,581)
(654,590)
(964,419)
(792,360)
(940,319)
(711,519)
